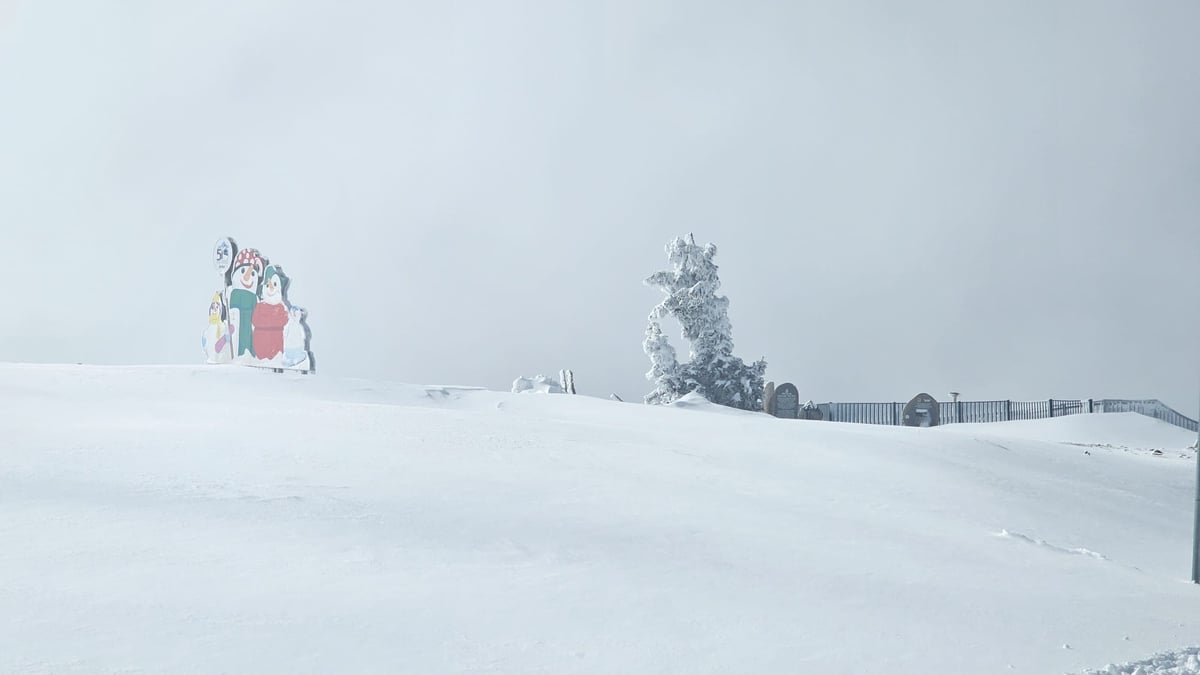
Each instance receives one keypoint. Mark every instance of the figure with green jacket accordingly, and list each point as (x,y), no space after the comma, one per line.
(244,283)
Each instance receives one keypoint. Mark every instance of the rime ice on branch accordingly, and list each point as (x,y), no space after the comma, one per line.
(712,370)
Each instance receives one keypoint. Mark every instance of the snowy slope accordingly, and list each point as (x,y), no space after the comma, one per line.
(1122,431)
(228,520)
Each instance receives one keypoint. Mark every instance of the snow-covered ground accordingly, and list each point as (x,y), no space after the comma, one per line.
(229,520)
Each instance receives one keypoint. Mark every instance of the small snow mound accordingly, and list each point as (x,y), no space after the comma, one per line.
(1165,663)
(539,384)
(691,400)
(696,401)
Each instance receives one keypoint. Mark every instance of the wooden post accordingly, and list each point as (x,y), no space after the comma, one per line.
(1091,406)
(1008,409)
(1052,407)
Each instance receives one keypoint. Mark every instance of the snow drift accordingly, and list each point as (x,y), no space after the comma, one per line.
(218,519)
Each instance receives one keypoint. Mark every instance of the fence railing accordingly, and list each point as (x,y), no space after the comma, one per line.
(1150,408)
(956,412)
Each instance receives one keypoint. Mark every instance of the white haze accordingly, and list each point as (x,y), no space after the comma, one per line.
(995,198)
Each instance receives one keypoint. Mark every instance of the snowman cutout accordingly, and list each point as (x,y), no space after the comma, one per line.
(270,316)
(244,284)
(295,341)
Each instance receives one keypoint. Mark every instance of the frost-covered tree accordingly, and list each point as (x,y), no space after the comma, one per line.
(664,368)
(712,370)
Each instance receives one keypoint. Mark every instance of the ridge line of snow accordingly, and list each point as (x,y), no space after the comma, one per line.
(1053,547)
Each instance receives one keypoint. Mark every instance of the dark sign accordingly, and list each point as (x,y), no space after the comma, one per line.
(922,411)
(787,401)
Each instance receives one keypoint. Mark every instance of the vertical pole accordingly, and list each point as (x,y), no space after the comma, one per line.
(1091,406)
(1196,520)
(1052,407)
(1008,409)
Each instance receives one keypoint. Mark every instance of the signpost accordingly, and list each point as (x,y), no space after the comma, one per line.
(1196,521)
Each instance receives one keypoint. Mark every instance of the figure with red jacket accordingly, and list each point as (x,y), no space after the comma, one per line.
(270,316)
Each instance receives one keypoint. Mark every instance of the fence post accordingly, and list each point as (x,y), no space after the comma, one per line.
(1091,406)
(1052,407)
(958,411)
(1008,410)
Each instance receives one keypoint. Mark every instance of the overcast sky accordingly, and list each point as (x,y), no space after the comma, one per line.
(999,198)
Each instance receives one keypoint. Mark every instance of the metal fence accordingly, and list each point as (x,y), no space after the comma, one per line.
(955,412)
(1150,408)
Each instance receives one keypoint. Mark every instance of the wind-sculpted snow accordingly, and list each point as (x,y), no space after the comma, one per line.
(1180,662)
(162,520)
(1040,542)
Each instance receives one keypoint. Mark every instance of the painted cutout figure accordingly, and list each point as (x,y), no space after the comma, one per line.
(270,316)
(215,340)
(251,320)
(295,340)
(243,297)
